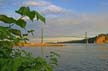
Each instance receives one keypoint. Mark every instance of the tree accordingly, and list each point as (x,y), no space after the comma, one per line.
(16,59)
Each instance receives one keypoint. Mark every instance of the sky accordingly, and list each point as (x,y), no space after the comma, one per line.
(64,17)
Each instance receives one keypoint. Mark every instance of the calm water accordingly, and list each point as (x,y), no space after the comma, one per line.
(78,57)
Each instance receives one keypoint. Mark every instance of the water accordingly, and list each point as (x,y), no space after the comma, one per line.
(78,57)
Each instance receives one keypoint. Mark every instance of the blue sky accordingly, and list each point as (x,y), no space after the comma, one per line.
(77,5)
(80,5)
(65,17)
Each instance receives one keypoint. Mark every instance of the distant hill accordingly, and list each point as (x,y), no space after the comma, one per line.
(90,40)
(102,38)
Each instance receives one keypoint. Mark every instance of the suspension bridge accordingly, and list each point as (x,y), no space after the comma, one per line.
(60,38)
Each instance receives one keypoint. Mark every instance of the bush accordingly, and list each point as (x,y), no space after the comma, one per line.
(16,59)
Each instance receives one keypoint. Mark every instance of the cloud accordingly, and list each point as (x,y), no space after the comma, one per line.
(67,22)
(52,9)
(44,7)
(36,3)
(75,23)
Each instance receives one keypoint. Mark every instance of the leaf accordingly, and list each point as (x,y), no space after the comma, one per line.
(4,32)
(25,34)
(31,31)
(20,11)
(40,17)
(3,28)
(21,23)
(15,32)
(31,15)
(54,61)
(23,11)
(55,54)
(16,64)
(6,19)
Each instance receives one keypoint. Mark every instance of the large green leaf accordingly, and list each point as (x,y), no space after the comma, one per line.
(23,11)
(6,19)
(40,17)
(3,28)
(21,23)
(31,15)
(15,32)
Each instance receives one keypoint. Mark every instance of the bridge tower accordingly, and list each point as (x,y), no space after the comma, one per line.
(86,38)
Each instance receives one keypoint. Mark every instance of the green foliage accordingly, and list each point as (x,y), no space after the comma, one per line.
(40,17)
(23,61)
(53,58)
(21,23)
(15,32)
(31,31)
(16,59)
(6,19)
(25,11)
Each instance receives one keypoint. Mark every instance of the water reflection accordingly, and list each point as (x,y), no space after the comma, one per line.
(78,57)
(103,52)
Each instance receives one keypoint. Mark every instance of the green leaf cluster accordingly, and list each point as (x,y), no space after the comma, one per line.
(16,59)
(25,11)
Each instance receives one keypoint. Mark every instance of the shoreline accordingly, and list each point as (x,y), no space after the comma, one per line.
(34,44)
